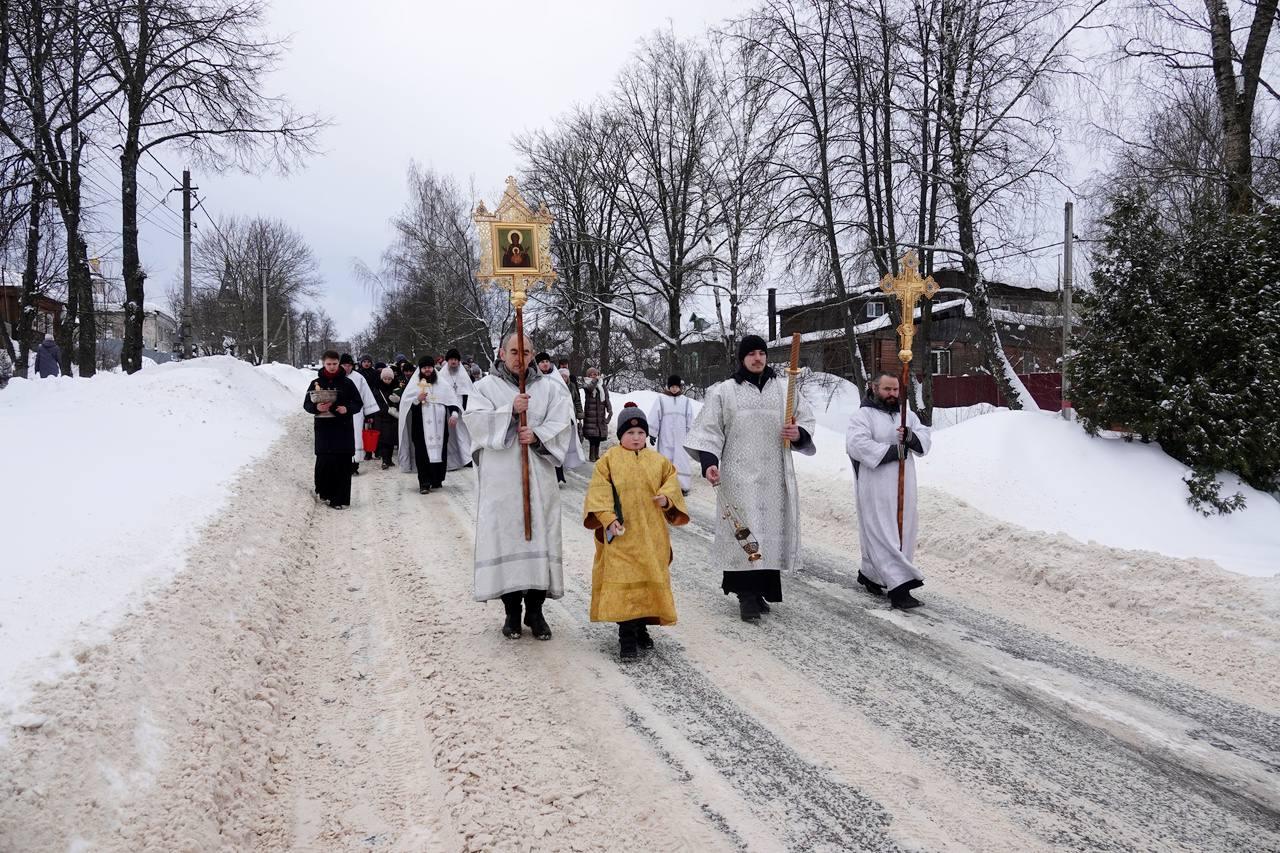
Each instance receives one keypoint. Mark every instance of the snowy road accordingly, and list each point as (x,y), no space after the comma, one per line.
(322,681)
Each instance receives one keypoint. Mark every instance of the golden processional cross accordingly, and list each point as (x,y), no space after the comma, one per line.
(515,254)
(908,287)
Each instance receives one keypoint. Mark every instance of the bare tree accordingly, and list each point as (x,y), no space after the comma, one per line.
(741,187)
(802,69)
(52,86)
(995,60)
(664,109)
(429,295)
(230,266)
(191,73)
(1195,40)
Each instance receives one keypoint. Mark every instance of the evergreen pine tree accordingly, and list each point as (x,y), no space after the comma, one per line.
(1180,343)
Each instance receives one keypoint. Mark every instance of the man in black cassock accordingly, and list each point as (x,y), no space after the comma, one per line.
(334,430)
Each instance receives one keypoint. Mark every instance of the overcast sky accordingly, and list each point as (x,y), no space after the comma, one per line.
(406,80)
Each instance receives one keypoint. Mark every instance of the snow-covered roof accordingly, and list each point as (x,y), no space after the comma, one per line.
(881,322)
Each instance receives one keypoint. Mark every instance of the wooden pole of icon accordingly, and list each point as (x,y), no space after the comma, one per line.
(514,213)
(518,297)
(909,287)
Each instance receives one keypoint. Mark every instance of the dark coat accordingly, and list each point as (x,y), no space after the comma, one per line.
(388,424)
(47,357)
(597,410)
(336,434)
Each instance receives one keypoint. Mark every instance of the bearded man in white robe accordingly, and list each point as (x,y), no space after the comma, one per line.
(507,566)
(738,440)
(457,376)
(433,439)
(369,406)
(670,419)
(874,440)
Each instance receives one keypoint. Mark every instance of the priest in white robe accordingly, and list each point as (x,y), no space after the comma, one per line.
(507,566)
(369,406)
(873,440)
(670,419)
(457,376)
(574,457)
(433,438)
(738,440)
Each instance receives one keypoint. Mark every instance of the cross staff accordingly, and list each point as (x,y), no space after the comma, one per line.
(908,286)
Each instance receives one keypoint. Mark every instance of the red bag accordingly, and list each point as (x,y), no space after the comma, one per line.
(370,439)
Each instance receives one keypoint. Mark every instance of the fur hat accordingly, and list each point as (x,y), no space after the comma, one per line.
(427,361)
(346,359)
(453,353)
(542,356)
(674,380)
(630,418)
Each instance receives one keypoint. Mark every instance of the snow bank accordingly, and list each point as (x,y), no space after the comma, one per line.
(1044,473)
(107,481)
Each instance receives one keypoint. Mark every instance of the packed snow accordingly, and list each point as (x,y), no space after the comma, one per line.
(108,481)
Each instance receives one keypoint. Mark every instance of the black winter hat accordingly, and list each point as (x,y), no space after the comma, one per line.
(630,418)
(750,344)
(346,359)
(453,353)
(542,356)
(367,358)
(674,380)
(427,361)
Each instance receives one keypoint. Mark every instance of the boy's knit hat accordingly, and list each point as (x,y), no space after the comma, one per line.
(630,418)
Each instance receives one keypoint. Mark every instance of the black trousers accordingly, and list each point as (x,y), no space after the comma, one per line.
(595,449)
(333,478)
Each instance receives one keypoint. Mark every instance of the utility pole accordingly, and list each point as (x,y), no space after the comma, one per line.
(184,332)
(266,340)
(1067,240)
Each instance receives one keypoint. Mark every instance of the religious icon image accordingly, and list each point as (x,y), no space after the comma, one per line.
(517,247)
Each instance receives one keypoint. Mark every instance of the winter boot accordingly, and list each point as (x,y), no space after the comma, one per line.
(628,645)
(642,636)
(871,586)
(763,605)
(748,607)
(900,597)
(538,626)
(511,628)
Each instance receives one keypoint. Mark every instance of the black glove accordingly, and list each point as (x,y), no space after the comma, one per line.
(653,439)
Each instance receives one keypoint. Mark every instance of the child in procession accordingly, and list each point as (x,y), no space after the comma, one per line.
(634,494)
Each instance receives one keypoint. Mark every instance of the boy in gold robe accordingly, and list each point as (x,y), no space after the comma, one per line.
(634,494)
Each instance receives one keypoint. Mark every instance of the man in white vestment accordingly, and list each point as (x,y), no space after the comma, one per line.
(457,375)
(433,439)
(737,438)
(369,406)
(507,566)
(574,458)
(874,440)
(670,419)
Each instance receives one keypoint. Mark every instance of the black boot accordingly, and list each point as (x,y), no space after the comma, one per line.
(748,607)
(533,599)
(900,596)
(627,641)
(763,605)
(642,636)
(871,586)
(511,628)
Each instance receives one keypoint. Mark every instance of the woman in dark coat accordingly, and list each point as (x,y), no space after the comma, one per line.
(387,392)
(597,411)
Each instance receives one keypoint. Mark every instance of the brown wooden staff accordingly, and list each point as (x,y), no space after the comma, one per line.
(904,383)
(793,370)
(524,422)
